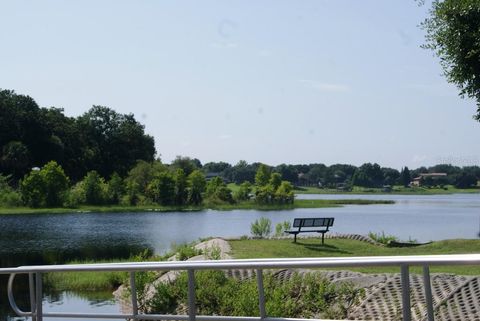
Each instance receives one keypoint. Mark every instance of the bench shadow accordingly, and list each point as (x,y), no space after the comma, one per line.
(326,248)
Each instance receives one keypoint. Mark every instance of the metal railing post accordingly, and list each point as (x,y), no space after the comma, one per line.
(428,293)
(191,295)
(31,287)
(406,309)
(39,298)
(133,290)
(261,294)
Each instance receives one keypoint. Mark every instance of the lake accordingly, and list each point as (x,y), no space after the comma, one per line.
(59,238)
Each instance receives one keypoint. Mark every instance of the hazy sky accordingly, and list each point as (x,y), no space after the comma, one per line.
(270,81)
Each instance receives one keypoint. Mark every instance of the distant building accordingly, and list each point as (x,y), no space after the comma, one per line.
(417,181)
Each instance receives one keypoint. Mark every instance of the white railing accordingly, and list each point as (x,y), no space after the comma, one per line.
(404,262)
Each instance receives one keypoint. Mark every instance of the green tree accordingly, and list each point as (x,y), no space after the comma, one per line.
(116,141)
(94,188)
(55,182)
(33,189)
(390,175)
(453,33)
(162,189)
(265,194)
(241,172)
(15,158)
(405,177)
(284,193)
(115,189)
(243,192)
(465,180)
(196,187)
(181,187)
(187,164)
(217,191)
(216,167)
(262,177)
(368,175)
(275,180)
(139,177)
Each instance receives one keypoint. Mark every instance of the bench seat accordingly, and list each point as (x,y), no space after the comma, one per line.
(311,225)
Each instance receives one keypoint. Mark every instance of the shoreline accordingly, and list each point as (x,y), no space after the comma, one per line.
(218,207)
(378,191)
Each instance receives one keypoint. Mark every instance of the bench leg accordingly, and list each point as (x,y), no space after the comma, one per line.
(295,238)
(323,236)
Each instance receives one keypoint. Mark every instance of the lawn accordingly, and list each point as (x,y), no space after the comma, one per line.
(312,247)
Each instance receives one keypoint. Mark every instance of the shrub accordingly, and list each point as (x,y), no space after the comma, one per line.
(94,188)
(261,228)
(33,189)
(10,199)
(301,296)
(75,196)
(281,227)
(186,251)
(382,238)
(243,192)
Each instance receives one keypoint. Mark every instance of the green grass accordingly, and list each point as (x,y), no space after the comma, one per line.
(449,189)
(312,247)
(250,205)
(86,281)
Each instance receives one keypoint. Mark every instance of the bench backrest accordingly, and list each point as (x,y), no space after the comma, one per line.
(313,222)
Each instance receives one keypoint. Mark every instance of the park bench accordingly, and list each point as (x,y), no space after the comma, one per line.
(309,225)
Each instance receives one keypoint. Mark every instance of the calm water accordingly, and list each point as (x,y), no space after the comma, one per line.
(50,239)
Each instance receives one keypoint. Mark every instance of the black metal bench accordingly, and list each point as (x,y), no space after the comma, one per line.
(309,225)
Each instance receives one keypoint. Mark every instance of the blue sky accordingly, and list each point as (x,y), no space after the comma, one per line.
(269,81)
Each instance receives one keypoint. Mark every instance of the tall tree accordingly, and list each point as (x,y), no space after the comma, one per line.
(115,141)
(453,33)
(262,177)
(196,187)
(405,176)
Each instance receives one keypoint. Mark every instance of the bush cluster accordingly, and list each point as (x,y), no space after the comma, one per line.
(301,296)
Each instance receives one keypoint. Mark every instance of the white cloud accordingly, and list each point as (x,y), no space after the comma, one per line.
(326,87)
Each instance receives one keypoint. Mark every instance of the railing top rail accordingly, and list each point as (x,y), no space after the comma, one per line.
(324,262)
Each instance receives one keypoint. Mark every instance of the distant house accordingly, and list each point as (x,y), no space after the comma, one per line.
(417,181)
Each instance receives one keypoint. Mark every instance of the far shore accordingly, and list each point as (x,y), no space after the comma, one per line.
(395,190)
(221,207)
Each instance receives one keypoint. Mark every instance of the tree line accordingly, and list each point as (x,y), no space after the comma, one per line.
(366,175)
(147,183)
(100,139)
(103,157)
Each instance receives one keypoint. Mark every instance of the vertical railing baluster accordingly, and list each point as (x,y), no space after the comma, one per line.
(428,293)
(31,287)
(191,295)
(133,289)
(39,299)
(261,294)
(406,310)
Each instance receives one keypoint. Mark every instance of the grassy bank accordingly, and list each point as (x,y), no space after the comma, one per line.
(157,208)
(312,247)
(86,281)
(449,189)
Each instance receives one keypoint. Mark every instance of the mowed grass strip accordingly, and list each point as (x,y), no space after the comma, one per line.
(312,247)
